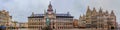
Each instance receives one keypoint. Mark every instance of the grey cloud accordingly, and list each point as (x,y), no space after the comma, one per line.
(21,9)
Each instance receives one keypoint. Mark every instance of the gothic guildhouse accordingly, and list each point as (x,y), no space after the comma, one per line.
(98,20)
(57,20)
(5,18)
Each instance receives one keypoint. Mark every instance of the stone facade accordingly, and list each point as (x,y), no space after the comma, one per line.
(57,21)
(75,23)
(23,25)
(5,18)
(100,19)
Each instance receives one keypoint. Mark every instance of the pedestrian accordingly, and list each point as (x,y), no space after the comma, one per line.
(2,27)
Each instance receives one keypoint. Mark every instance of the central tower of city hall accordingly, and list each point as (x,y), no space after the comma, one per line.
(56,20)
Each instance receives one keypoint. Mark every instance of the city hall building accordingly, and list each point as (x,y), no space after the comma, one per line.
(57,20)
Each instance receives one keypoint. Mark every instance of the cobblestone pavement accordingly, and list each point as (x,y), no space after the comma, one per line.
(39,29)
(54,29)
(83,29)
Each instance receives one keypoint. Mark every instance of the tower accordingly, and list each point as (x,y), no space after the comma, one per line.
(51,16)
(106,12)
(32,13)
(50,12)
(113,20)
(100,10)
(94,11)
(50,9)
(112,13)
(88,13)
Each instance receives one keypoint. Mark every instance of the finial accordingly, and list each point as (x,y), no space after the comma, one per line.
(32,12)
(112,12)
(50,7)
(68,13)
(50,2)
(100,10)
(55,10)
(106,12)
(88,10)
(88,7)
(94,9)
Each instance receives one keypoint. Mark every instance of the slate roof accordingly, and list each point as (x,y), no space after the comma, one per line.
(57,15)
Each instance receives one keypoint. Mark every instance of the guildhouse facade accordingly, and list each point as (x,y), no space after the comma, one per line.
(57,20)
(98,19)
(5,18)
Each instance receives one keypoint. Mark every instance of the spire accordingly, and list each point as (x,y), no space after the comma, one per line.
(32,13)
(50,7)
(68,13)
(88,11)
(94,11)
(100,11)
(112,13)
(44,11)
(106,12)
(55,10)
(80,16)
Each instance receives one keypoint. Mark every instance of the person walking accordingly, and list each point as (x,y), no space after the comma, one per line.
(2,27)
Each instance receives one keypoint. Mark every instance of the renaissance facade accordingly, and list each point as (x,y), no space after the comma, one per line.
(5,18)
(98,19)
(57,20)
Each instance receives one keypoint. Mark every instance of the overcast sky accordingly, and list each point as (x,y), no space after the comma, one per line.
(21,9)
